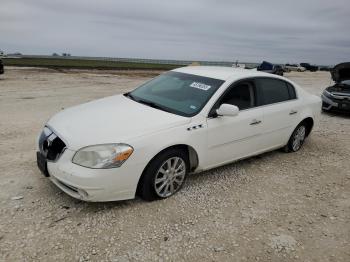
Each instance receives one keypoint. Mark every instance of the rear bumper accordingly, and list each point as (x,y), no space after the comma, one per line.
(95,185)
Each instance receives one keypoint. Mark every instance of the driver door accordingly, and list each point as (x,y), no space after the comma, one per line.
(235,137)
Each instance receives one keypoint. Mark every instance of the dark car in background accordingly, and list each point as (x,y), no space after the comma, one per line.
(1,67)
(337,96)
(309,67)
(324,68)
(270,68)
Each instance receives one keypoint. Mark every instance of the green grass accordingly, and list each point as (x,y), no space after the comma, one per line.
(83,64)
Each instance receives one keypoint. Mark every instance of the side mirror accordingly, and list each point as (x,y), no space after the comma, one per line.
(227,110)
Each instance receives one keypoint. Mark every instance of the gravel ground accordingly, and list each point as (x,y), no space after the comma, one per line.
(274,207)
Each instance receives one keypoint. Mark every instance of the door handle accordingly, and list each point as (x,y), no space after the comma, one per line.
(292,112)
(255,122)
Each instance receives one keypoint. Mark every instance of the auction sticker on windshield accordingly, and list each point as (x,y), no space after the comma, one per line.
(200,86)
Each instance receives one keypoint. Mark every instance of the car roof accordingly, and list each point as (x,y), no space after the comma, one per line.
(222,73)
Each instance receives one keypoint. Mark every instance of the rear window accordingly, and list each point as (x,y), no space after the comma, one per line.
(272,91)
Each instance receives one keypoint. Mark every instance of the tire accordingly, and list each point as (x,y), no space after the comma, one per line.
(160,180)
(297,138)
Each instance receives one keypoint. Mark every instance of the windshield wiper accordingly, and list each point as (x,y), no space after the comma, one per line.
(151,104)
(145,102)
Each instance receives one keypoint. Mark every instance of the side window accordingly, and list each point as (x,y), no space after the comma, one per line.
(273,91)
(240,95)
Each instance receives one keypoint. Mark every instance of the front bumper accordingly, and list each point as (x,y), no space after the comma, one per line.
(329,104)
(94,184)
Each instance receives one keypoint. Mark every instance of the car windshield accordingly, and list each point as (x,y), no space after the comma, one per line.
(178,93)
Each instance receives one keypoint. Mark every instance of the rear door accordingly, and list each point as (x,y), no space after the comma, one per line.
(281,107)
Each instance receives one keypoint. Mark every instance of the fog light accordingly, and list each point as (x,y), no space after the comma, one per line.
(82,193)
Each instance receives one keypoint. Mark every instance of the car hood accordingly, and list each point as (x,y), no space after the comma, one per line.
(115,119)
(341,72)
(339,90)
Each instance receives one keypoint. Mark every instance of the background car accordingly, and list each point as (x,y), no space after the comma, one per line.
(324,68)
(184,121)
(1,67)
(337,96)
(270,68)
(295,67)
(286,70)
(311,68)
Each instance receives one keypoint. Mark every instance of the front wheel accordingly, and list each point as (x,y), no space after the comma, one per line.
(297,139)
(165,175)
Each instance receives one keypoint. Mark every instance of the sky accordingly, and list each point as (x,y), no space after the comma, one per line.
(278,31)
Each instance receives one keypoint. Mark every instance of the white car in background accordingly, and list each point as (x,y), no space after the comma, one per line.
(294,67)
(184,121)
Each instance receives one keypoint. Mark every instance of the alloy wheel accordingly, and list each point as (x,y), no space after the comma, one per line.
(299,137)
(170,176)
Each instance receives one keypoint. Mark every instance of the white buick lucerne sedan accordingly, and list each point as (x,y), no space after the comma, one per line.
(190,119)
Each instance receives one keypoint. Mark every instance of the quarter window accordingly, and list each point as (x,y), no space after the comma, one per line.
(291,90)
(273,91)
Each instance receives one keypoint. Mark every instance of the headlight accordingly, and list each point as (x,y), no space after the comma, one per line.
(327,94)
(103,156)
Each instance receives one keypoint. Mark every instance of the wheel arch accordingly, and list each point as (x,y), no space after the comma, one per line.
(309,123)
(190,151)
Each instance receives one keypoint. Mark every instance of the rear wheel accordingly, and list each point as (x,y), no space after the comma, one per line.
(297,138)
(165,175)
